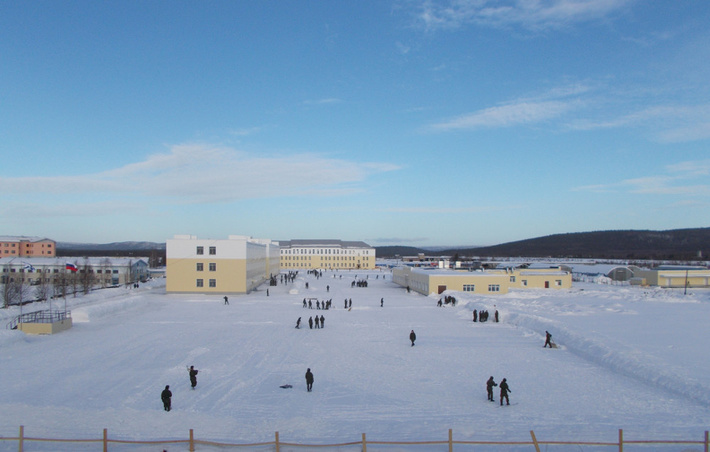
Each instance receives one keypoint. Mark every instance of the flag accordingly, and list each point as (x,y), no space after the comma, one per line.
(29,267)
(72,267)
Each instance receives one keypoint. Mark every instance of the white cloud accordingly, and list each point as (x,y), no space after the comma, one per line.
(197,173)
(523,112)
(681,180)
(529,14)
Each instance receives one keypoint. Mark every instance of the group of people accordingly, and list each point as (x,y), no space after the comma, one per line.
(166,396)
(504,390)
(319,322)
(482,316)
(359,283)
(325,304)
(448,299)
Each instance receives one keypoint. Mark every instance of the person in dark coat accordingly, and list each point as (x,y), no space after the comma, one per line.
(310,322)
(193,376)
(504,390)
(548,339)
(317,320)
(495,316)
(322,322)
(382,302)
(165,396)
(298,323)
(309,380)
(226,300)
(475,315)
(412,337)
(489,387)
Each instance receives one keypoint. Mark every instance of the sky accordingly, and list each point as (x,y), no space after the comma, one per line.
(404,122)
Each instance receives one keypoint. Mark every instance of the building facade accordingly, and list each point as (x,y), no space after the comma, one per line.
(326,254)
(427,280)
(236,265)
(672,276)
(92,272)
(21,246)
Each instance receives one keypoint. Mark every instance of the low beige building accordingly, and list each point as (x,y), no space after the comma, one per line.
(672,276)
(326,254)
(427,280)
(236,265)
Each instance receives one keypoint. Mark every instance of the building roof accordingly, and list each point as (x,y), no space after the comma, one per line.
(23,238)
(322,243)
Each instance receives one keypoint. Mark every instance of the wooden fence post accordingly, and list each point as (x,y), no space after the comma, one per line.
(105,440)
(621,440)
(21,439)
(451,440)
(364,443)
(192,440)
(276,441)
(534,440)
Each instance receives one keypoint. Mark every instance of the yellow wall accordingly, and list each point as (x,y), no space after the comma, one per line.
(182,275)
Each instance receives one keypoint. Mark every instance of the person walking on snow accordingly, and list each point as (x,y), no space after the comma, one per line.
(309,380)
(504,390)
(548,339)
(193,376)
(298,323)
(226,300)
(310,322)
(412,337)
(165,396)
(489,387)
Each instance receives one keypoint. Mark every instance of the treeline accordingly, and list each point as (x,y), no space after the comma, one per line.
(677,244)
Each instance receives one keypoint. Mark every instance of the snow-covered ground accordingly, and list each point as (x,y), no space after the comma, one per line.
(629,358)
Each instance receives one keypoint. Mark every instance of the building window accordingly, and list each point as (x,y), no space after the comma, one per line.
(213,283)
(213,250)
(200,250)
(200,266)
(512,279)
(524,281)
(558,282)
(200,283)
(213,267)
(469,287)
(494,287)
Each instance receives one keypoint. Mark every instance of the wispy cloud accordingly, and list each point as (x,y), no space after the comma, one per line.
(523,112)
(669,123)
(528,14)
(325,101)
(198,173)
(681,179)
(448,210)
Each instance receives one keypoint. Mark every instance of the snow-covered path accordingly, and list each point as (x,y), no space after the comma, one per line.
(627,360)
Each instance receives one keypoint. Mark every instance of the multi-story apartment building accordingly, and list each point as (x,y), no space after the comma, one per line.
(236,265)
(21,246)
(104,271)
(326,254)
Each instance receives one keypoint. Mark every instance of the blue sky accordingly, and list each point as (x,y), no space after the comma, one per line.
(467,122)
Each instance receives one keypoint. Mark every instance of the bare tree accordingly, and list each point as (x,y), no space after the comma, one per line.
(105,267)
(42,288)
(13,290)
(87,277)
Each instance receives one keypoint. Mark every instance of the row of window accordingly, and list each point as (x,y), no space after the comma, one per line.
(55,270)
(323,251)
(325,258)
(201,250)
(201,266)
(211,282)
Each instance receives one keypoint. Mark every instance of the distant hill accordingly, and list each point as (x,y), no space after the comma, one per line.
(676,244)
(394,251)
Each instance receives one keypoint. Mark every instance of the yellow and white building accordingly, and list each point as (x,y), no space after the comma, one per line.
(326,254)
(428,280)
(236,265)
(672,276)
